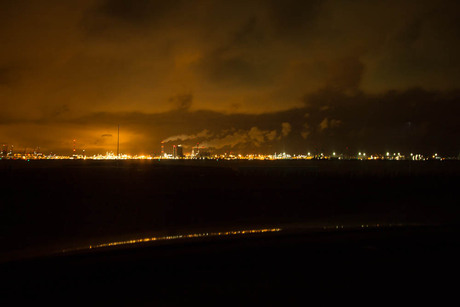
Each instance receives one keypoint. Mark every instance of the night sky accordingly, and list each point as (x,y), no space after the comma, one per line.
(242,76)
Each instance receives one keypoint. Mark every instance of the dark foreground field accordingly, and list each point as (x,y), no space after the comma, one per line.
(399,234)
(395,266)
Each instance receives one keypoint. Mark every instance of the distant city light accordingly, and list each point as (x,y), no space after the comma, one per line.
(203,153)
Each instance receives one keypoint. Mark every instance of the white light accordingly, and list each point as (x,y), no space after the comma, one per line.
(364,154)
(333,153)
(359,153)
(388,154)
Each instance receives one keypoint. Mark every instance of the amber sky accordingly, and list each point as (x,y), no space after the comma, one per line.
(261,75)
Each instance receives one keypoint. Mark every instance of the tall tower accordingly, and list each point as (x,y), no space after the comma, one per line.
(162,149)
(118,142)
(74,148)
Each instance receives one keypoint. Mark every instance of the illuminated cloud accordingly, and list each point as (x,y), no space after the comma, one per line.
(285,129)
(305,131)
(362,71)
(329,123)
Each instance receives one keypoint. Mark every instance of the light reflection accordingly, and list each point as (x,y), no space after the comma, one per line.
(175,237)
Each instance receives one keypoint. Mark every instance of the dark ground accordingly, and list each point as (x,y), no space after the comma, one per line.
(50,205)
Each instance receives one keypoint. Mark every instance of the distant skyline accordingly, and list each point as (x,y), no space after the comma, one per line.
(259,76)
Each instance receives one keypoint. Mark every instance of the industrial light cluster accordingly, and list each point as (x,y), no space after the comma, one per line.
(204,153)
(231,156)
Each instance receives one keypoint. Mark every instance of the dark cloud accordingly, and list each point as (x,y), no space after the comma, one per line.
(181,102)
(345,74)
(235,70)
(8,75)
(249,33)
(140,11)
(112,18)
(293,17)
(414,119)
(51,112)
(238,61)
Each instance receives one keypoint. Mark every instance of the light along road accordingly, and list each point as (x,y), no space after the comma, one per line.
(175,237)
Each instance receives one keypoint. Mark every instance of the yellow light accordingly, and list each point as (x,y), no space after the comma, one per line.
(187,236)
